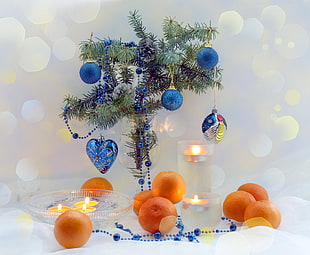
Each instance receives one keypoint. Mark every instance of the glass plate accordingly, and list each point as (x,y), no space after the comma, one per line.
(111,205)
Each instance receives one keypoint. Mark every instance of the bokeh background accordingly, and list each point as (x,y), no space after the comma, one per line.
(263,47)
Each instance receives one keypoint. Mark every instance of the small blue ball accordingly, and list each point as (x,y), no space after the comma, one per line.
(207,58)
(116,237)
(90,72)
(171,99)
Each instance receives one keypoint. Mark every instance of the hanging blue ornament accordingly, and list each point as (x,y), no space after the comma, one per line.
(102,153)
(171,99)
(207,58)
(214,127)
(90,72)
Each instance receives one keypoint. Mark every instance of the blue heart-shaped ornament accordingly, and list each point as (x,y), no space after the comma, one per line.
(102,153)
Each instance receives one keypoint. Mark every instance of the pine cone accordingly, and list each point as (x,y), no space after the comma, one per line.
(149,49)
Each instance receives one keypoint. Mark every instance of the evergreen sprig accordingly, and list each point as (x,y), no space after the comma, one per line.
(178,49)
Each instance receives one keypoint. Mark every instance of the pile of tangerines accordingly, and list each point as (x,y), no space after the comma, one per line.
(156,209)
(250,204)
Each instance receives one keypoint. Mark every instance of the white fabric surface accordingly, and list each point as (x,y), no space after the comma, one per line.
(34,237)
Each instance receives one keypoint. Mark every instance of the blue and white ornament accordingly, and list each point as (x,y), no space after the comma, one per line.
(214,127)
(90,72)
(102,153)
(207,58)
(171,99)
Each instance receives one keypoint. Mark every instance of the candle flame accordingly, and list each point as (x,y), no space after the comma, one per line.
(59,207)
(196,150)
(84,207)
(195,198)
(87,200)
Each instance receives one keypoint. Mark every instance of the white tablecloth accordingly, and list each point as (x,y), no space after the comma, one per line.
(21,234)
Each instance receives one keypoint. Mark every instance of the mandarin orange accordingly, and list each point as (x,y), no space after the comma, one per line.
(258,191)
(140,198)
(170,185)
(72,229)
(96,183)
(157,214)
(235,204)
(262,213)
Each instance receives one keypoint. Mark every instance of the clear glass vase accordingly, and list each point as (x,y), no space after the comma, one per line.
(139,150)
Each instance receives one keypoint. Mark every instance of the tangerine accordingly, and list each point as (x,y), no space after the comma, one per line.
(258,191)
(72,229)
(170,185)
(97,183)
(262,213)
(157,214)
(140,198)
(235,204)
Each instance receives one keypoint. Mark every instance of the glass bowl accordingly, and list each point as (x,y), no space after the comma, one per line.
(110,207)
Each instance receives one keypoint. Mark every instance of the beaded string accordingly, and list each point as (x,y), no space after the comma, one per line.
(191,236)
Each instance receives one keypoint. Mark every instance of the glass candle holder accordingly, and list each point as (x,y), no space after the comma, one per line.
(202,209)
(195,159)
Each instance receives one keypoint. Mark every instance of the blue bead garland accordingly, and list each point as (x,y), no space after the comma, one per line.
(191,236)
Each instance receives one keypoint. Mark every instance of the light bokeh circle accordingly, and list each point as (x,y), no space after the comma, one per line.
(273,178)
(12,32)
(260,145)
(33,111)
(292,97)
(287,127)
(5,194)
(292,41)
(230,23)
(84,11)
(253,29)
(26,169)
(8,123)
(35,54)
(8,76)
(40,12)
(273,17)
(64,49)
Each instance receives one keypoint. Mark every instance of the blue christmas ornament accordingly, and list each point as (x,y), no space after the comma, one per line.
(207,58)
(171,99)
(214,127)
(90,72)
(102,153)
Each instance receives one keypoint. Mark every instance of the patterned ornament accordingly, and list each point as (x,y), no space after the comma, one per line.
(102,153)
(171,99)
(207,58)
(214,127)
(90,72)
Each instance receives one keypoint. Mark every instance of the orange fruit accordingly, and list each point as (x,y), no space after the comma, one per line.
(235,204)
(72,229)
(140,198)
(258,191)
(170,185)
(97,183)
(262,213)
(157,214)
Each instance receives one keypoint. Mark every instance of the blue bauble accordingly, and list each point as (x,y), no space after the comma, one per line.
(171,99)
(207,58)
(90,72)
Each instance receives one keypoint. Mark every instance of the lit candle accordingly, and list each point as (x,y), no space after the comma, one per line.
(87,201)
(85,209)
(195,153)
(201,210)
(59,208)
